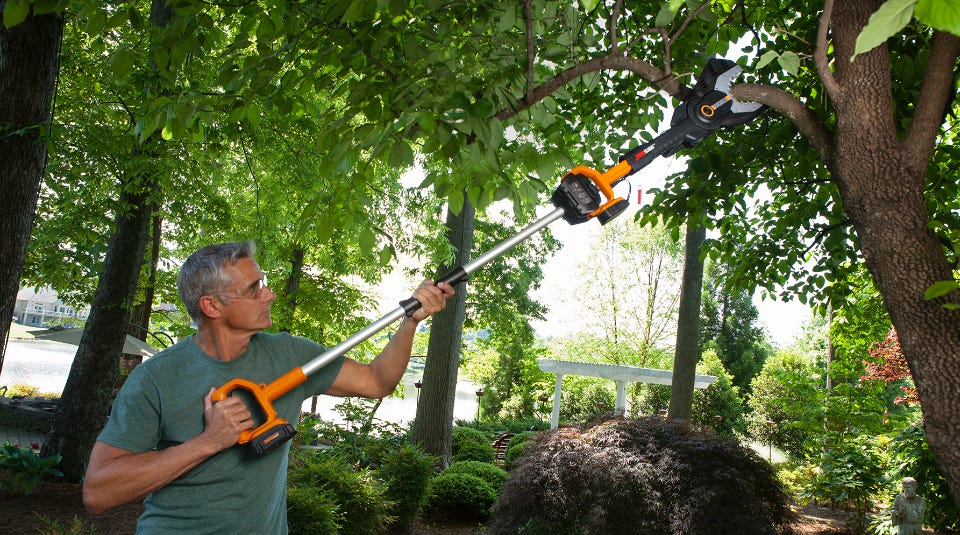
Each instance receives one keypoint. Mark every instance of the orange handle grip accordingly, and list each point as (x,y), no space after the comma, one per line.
(264,396)
(604,182)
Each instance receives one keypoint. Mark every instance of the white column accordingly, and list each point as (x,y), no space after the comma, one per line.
(621,407)
(555,415)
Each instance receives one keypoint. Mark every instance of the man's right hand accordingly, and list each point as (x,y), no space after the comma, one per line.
(225,420)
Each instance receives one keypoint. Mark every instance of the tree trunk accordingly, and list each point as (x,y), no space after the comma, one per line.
(433,425)
(881,181)
(29,54)
(88,393)
(140,317)
(687,352)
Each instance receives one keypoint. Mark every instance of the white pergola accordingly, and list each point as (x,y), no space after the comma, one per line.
(615,372)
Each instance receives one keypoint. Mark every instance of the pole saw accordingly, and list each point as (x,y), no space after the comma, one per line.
(583,194)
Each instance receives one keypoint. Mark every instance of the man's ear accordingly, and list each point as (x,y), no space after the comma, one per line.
(210,306)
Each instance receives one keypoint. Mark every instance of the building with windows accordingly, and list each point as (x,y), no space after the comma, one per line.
(39,307)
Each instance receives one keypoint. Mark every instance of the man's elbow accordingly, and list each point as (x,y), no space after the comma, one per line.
(93,501)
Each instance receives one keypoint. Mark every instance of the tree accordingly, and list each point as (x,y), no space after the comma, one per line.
(29,55)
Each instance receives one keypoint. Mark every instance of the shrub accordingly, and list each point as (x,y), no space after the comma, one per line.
(850,474)
(674,478)
(406,472)
(461,435)
(474,451)
(492,474)
(21,469)
(361,499)
(311,511)
(459,497)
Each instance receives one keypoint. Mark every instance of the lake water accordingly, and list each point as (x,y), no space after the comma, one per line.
(46,365)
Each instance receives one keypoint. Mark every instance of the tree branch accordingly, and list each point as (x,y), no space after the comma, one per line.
(820,54)
(612,62)
(807,122)
(531,51)
(612,26)
(935,93)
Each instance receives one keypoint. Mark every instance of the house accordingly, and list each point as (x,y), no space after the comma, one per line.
(38,307)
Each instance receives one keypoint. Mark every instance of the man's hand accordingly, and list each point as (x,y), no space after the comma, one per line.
(432,298)
(225,420)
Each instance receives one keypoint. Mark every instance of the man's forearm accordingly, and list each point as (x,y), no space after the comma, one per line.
(115,477)
(391,363)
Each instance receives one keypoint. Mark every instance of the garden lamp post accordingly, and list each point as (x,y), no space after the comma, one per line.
(479,393)
(770,425)
(419,385)
(719,420)
(662,413)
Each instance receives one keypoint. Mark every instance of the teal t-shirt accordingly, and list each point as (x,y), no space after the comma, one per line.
(161,405)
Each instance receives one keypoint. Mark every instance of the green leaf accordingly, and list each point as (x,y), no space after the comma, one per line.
(940,289)
(790,62)
(939,14)
(892,17)
(589,5)
(15,12)
(367,238)
(664,16)
(456,202)
(122,62)
(766,58)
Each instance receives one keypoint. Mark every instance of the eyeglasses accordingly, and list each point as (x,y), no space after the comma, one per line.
(252,291)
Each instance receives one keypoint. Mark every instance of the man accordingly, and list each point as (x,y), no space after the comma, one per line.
(167,441)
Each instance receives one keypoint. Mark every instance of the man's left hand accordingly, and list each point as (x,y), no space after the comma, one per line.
(432,298)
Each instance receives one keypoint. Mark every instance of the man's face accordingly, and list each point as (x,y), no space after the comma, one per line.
(247,299)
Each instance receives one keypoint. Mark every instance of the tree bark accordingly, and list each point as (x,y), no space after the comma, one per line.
(140,317)
(687,352)
(29,56)
(433,425)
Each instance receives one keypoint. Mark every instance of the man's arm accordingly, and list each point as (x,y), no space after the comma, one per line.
(379,378)
(116,476)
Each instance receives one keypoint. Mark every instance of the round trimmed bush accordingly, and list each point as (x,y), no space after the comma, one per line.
(475,451)
(491,473)
(461,435)
(459,497)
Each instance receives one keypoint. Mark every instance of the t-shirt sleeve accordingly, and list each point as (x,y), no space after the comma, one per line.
(134,422)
